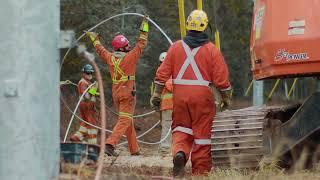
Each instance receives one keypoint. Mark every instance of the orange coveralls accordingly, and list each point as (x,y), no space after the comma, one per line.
(88,113)
(122,67)
(166,116)
(192,72)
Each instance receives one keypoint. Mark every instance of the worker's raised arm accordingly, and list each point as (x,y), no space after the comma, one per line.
(142,41)
(104,54)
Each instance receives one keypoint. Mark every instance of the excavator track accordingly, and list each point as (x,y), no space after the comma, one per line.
(237,137)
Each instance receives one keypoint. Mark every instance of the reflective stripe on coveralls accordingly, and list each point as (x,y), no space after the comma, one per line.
(190,60)
(183,129)
(127,115)
(117,70)
(190,132)
(167,96)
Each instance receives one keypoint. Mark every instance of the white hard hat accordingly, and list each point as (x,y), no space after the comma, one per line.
(162,56)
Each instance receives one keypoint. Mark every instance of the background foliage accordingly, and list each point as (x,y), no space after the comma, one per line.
(231,17)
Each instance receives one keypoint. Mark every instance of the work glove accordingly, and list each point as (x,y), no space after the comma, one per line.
(93,91)
(225,105)
(94,37)
(226,100)
(155,99)
(144,28)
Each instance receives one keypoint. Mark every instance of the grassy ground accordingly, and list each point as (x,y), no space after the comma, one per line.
(155,167)
(265,171)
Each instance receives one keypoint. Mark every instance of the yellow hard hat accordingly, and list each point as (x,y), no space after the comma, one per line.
(197,21)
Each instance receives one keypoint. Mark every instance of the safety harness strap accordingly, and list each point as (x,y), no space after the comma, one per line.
(167,96)
(118,71)
(190,61)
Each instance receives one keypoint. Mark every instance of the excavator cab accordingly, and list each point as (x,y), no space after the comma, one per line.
(285,39)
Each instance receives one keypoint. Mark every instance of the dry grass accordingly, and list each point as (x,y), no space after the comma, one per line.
(77,171)
(267,171)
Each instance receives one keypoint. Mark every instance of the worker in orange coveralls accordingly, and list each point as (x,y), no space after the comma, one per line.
(87,108)
(194,64)
(122,65)
(166,113)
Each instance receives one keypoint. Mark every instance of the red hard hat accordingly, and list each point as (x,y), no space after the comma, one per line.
(119,41)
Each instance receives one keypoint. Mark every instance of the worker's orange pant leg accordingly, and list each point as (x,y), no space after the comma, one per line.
(125,124)
(91,117)
(181,142)
(89,114)
(192,122)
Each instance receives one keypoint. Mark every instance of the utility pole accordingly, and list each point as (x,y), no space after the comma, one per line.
(257,93)
(182,18)
(257,89)
(29,93)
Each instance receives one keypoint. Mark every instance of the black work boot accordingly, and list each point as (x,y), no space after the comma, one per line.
(179,161)
(110,150)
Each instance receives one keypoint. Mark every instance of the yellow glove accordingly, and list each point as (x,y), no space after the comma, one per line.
(144,27)
(93,37)
(93,91)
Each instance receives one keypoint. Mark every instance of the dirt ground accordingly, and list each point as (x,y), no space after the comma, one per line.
(151,164)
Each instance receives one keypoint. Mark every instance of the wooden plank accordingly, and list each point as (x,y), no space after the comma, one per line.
(237,142)
(236,136)
(236,148)
(239,120)
(237,129)
(239,125)
(237,155)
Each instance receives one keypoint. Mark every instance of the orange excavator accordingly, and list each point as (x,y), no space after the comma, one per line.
(285,40)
